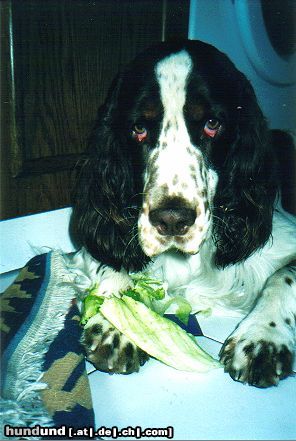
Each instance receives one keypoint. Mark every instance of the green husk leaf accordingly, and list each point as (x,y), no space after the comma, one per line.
(156,335)
(139,315)
(183,308)
(91,305)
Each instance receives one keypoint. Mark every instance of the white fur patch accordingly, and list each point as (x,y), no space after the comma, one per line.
(176,168)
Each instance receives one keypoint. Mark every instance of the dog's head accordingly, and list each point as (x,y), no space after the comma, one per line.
(180,155)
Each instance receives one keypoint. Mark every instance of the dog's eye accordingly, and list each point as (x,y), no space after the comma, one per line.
(212,127)
(139,133)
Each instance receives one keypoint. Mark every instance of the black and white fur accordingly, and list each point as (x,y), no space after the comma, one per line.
(180,180)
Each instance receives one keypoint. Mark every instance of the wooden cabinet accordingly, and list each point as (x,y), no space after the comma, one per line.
(58,59)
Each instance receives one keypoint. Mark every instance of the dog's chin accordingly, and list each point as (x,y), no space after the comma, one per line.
(155,247)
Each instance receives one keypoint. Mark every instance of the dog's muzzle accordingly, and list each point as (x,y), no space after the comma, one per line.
(172,225)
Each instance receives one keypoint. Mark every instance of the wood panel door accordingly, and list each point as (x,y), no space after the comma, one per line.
(58,58)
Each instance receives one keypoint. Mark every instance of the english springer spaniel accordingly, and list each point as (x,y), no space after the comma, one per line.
(180,180)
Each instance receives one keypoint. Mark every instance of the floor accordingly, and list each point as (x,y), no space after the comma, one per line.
(207,406)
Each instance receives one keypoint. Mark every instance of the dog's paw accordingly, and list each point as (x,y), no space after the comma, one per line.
(109,350)
(258,355)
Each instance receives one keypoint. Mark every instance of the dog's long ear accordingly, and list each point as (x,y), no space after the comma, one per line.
(248,185)
(104,218)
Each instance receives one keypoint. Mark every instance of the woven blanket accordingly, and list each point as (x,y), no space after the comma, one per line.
(44,381)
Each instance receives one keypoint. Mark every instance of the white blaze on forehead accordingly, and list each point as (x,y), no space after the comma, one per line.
(172,73)
(176,154)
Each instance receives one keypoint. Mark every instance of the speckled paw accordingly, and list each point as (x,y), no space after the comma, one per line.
(259,363)
(109,350)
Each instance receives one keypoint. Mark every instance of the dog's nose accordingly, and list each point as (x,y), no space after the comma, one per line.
(172,221)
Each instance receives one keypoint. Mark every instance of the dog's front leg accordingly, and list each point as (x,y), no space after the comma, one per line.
(261,349)
(107,348)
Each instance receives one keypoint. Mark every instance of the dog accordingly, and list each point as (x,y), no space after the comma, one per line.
(180,180)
